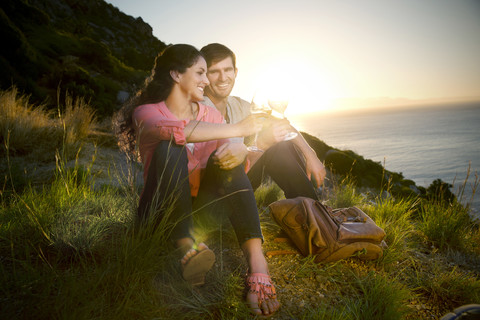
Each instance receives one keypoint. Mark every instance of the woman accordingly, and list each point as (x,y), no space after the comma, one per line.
(179,140)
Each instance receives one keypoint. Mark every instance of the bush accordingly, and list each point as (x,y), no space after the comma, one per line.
(339,162)
(446,226)
(439,191)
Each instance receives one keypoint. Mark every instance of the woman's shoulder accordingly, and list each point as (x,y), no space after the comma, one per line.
(150,108)
(209,113)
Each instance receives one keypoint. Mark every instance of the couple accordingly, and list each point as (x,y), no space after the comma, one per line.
(189,132)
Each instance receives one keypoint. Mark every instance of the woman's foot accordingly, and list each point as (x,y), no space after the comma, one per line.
(261,297)
(196,263)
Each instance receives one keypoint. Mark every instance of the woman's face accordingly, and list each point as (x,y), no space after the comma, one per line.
(194,80)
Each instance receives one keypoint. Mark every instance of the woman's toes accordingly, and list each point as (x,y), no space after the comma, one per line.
(252,302)
(266,307)
(202,246)
(188,255)
(273,305)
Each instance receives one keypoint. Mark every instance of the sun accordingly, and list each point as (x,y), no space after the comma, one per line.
(307,88)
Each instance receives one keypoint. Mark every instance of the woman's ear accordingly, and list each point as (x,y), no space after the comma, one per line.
(175,75)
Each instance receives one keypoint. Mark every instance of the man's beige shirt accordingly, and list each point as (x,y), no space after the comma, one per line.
(237,110)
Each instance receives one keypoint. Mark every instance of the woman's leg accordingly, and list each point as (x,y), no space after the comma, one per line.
(242,211)
(283,163)
(166,193)
(230,193)
(167,196)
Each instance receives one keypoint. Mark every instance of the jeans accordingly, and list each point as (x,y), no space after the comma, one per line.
(167,194)
(283,163)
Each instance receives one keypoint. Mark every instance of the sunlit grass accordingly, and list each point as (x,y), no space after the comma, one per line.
(33,130)
(447,286)
(446,226)
(267,193)
(395,218)
(69,249)
(344,194)
(379,297)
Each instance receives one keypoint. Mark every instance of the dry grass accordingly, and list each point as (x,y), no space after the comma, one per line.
(32,130)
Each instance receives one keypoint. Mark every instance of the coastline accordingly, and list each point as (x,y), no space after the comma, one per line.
(423,144)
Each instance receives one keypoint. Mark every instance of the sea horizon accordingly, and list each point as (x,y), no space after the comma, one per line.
(423,142)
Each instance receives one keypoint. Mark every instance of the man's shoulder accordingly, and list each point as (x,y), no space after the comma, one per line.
(206,101)
(237,101)
(233,101)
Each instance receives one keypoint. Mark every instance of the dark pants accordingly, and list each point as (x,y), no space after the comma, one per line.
(167,194)
(283,163)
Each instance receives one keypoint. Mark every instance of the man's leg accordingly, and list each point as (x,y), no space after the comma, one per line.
(283,163)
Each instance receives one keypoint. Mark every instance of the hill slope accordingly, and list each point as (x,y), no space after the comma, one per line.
(88,47)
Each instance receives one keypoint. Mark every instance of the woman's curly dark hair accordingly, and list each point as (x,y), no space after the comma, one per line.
(157,87)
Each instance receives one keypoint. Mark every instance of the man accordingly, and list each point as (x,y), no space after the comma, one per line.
(293,164)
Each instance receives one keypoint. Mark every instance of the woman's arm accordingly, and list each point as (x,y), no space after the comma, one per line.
(198,131)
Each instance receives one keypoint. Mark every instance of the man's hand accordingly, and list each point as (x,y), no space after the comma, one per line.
(315,169)
(230,155)
(274,131)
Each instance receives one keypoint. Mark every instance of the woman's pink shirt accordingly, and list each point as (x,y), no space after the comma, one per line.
(154,123)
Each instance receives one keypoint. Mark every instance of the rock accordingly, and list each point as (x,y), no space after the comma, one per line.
(122,96)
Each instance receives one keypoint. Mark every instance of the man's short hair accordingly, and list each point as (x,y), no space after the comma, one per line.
(215,52)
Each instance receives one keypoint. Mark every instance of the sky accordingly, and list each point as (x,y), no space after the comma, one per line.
(333,54)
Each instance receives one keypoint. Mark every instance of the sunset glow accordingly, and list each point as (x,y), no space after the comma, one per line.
(359,51)
(307,89)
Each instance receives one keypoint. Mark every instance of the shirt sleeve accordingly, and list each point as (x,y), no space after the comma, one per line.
(151,124)
(211,114)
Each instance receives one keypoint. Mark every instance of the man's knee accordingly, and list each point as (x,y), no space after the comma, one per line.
(282,146)
(283,152)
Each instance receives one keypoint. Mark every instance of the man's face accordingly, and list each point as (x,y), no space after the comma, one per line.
(221,75)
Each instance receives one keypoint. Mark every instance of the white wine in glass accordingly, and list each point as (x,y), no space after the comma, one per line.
(257,107)
(280,106)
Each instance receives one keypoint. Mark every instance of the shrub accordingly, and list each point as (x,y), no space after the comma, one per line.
(340,162)
(446,226)
(439,191)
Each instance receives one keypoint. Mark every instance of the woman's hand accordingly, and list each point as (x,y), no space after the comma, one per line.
(249,125)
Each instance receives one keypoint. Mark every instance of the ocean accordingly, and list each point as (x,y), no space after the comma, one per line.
(423,143)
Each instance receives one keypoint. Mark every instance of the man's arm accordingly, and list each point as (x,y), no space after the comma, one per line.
(276,130)
(314,167)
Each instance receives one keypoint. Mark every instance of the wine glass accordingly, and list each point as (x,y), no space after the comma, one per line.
(280,106)
(258,106)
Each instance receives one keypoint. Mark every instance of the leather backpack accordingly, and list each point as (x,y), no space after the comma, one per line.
(329,234)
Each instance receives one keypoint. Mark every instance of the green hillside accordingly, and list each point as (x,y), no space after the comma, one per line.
(88,48)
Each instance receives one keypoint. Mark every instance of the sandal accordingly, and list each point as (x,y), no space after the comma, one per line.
(261,285)
(196,268)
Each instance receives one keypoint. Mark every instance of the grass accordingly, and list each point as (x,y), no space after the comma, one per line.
(71,250)
(32,130)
